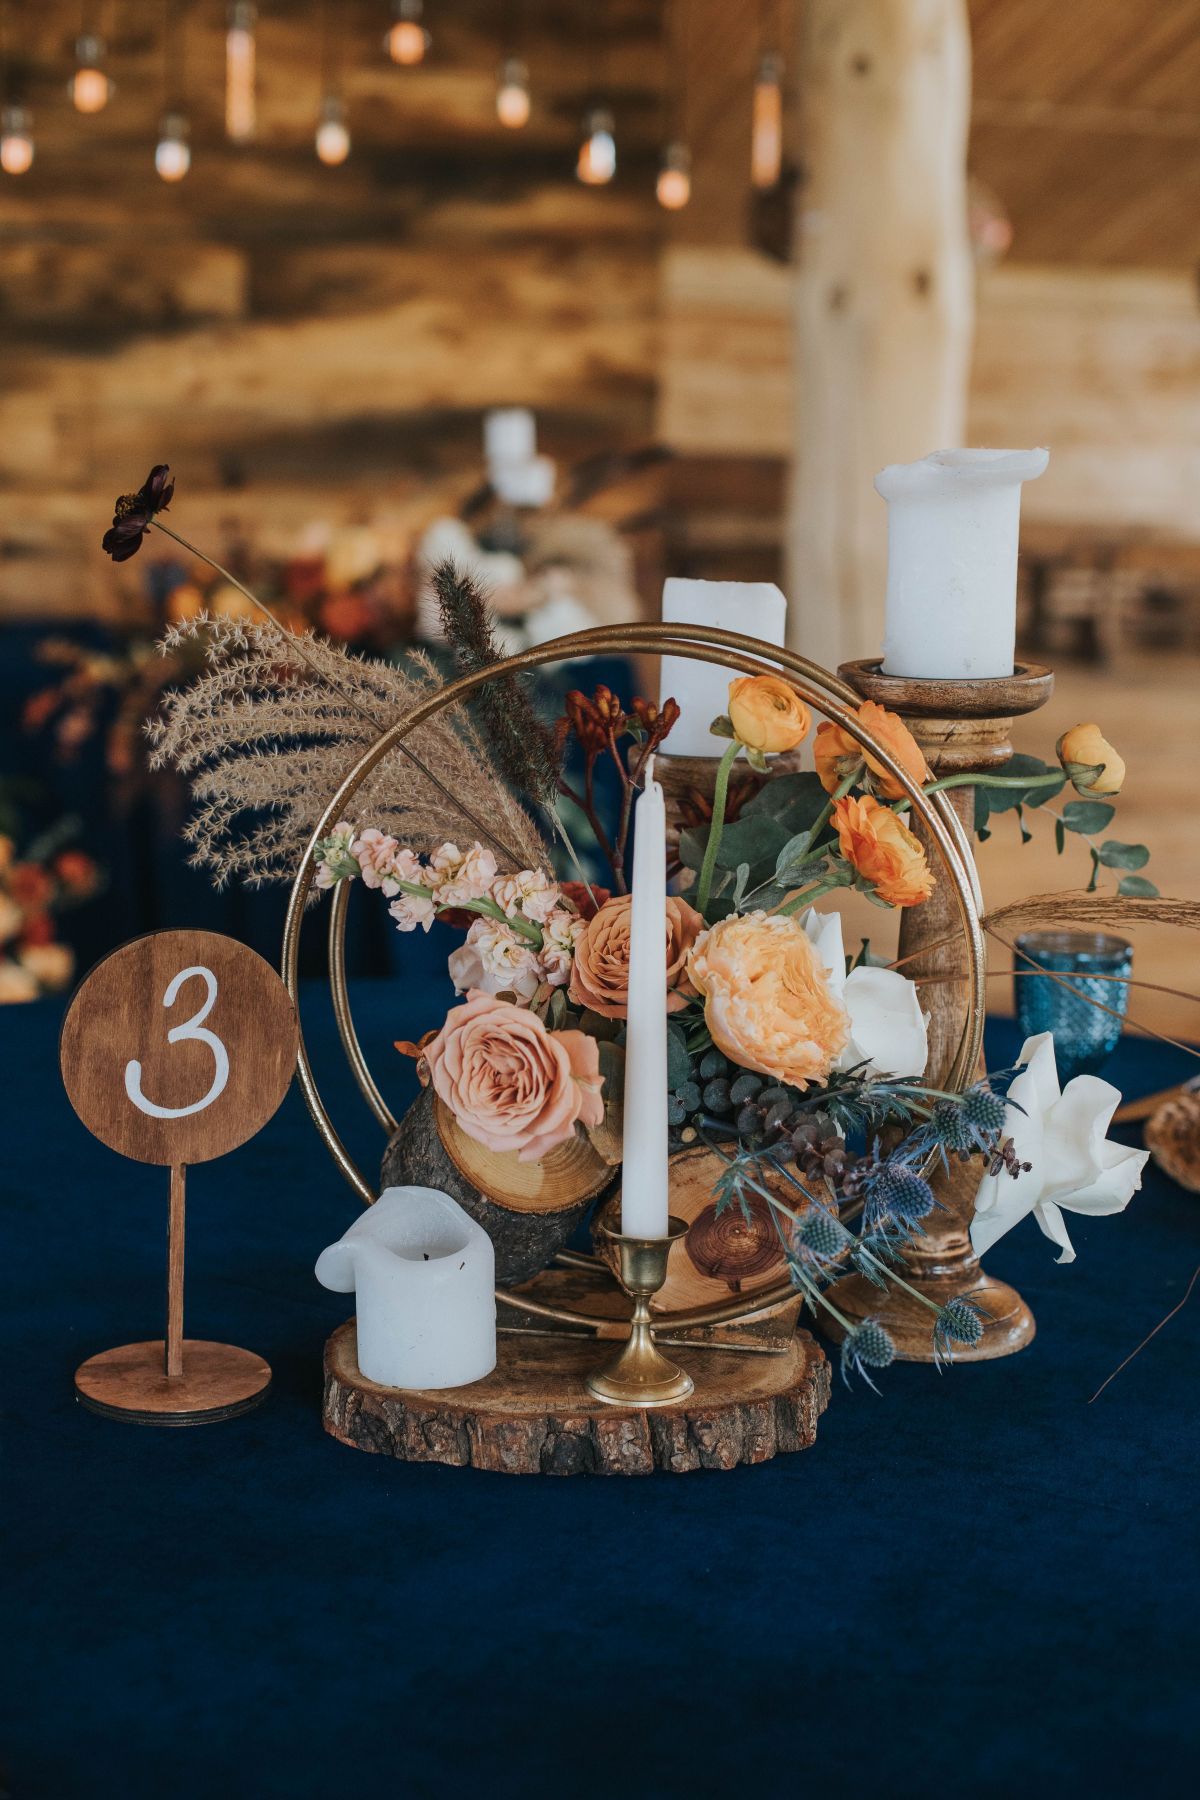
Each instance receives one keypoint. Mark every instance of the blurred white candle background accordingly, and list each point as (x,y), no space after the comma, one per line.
(953,528)
(756,608)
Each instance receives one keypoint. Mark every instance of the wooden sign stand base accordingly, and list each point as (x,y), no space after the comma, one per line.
(176,1380)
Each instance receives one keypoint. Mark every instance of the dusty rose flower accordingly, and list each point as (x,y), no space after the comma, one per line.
(600,976)
(511,1084)
(768,1003)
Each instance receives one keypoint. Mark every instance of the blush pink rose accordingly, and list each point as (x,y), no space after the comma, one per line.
(511,1083)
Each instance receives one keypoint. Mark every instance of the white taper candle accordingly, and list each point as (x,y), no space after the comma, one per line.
(644,1206)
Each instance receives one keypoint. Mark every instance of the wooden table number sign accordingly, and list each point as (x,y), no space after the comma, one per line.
(177,1048)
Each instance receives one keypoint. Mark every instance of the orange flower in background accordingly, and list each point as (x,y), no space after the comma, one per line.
(767,714)
(1085,747)
(836,754)
(883,851)
(30,886)
(76,870)
(767,1000)
(600,971)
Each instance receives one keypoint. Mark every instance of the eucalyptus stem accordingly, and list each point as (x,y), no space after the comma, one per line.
(807,896)
(720,798)
(998,781)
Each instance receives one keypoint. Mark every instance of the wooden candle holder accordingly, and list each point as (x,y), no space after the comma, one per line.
(962,726)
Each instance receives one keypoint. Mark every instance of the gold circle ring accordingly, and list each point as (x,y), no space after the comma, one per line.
(749,656)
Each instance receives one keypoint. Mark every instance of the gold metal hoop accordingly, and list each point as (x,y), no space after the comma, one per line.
(749,656)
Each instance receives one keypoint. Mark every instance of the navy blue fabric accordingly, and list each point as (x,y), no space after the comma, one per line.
(975,1583)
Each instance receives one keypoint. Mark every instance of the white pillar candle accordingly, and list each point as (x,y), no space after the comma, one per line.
(509,435)
(424,1274)
(756,608)
(644,1157)
(953,524)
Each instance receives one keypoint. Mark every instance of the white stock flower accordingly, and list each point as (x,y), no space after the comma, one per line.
(496,961)
(531,892)
(1061,1133)
(888,1030)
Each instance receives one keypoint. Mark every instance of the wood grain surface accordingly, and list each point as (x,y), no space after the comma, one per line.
(118,1023)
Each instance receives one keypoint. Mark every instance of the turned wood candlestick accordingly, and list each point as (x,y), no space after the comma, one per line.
(687,783)
(962,726)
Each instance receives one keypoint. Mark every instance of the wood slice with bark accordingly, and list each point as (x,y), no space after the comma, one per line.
(1173,1139)
(529,1210)
(533,1415)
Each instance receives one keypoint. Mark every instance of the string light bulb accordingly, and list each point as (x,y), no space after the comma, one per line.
(333,135)
(16,140)
(766,138)
(241,108)
(674,187)
(91,89)
(172,154)
(512,94)
(597,162)
(407,40)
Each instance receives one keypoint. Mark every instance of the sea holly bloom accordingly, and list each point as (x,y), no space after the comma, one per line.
(1059,1154)
(335,856)
(1091,763)
(134,514)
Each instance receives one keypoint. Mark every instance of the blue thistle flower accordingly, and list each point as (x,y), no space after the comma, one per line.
(901,1192)
(868,1346)
(823,1236)
(950,1127)
(983,1110)
(961,1321)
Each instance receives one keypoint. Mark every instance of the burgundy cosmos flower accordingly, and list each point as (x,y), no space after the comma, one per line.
(133,514)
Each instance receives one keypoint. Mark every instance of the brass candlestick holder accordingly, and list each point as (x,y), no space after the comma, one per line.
(640,1375)
(962,726)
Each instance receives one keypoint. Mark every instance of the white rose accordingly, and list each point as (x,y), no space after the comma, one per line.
(888,1030)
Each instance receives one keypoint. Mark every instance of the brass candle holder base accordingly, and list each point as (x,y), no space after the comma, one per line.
(640,1375)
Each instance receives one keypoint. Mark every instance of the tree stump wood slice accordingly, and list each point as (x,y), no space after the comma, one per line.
(533,1416)
(529,1210)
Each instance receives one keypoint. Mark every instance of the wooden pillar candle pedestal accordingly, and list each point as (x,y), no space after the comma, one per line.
(962,726)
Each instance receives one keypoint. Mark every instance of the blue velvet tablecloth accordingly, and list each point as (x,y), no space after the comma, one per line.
(975,1583)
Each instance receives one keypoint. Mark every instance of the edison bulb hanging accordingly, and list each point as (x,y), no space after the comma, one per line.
(241,101)
(766,138)
(333,134)
(91,89)
(407,40)
(674,187)
(512,94)
(16,140)
(172,155)
(597,163)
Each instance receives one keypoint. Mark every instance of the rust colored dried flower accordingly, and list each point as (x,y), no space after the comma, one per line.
(134,513)
(656,721)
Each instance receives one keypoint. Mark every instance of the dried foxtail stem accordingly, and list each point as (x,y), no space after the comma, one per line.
(268,734)
(1100,909)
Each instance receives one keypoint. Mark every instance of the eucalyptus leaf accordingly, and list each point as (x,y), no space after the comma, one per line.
(1060,836)
(1136,887)
(739,886)
(1088,816)
(756,840)
(797,799)
(679,1063)
(1115,855)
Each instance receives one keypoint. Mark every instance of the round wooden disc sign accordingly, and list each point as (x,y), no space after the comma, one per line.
(175,1049)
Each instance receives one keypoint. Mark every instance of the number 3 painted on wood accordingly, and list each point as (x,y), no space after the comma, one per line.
(191,1028)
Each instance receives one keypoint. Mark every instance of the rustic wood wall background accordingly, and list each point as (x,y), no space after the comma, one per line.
(302,341)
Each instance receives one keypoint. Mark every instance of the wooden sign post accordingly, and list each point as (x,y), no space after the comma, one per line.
(176,1049)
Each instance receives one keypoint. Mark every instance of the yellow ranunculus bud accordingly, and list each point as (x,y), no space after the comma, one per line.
(767,714)
(1083,749)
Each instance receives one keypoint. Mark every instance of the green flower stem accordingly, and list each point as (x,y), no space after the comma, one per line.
(817,827)
(720,798)
(997,781)
(486,908)
(560,826)
(809,895)
(887,1270)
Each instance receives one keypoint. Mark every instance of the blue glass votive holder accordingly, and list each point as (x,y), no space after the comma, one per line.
(1090,966)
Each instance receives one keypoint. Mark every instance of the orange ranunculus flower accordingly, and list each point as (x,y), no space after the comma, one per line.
(767,714)
(767,999)
(600,970)
(836,754)
(883,850)
(1084,745)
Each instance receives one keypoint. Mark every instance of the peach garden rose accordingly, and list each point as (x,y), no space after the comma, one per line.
(511,1084)
(600,972)
(768,1003)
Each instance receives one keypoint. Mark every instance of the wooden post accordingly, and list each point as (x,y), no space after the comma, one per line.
(175,1238)
(883,293)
